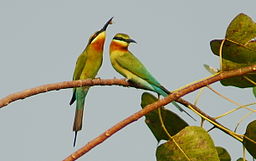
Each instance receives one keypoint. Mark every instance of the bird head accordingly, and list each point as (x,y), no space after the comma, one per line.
(98,38)
(121,41)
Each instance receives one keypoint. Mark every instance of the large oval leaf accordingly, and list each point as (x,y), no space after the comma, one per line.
(194,141)
(242,29)
(239,50)
(172,122)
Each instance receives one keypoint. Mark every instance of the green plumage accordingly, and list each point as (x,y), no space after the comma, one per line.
(87,67)
(130,67)
(125,63)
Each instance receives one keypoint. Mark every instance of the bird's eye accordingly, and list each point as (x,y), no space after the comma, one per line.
(119,38)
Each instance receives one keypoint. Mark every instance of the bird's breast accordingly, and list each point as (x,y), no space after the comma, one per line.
(98,45)
(117,47)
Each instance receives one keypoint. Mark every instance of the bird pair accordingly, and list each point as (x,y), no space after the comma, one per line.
(123,61)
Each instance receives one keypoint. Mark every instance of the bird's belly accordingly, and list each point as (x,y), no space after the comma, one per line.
(91,69)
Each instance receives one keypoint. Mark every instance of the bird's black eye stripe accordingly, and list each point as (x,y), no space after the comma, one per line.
(120,38)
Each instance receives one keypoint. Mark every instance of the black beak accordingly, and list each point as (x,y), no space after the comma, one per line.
(106,25)
(130,40)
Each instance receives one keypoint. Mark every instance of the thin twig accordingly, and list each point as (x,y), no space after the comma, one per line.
(242,119)
(229,100)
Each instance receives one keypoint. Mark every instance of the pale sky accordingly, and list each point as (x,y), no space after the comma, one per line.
(41,40)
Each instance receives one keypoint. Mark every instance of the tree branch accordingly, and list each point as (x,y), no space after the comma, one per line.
(62,85)
(174,96)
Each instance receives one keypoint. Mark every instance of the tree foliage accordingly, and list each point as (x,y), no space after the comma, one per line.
(236,50)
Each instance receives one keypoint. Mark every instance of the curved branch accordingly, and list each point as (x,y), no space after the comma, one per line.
(174,96)
(62,85)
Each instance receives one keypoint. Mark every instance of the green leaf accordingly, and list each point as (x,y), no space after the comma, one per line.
(234,57)
(223,154)
(250,133)
(239,50)
(254,91)
(242,29)
(172,121)
(194,141)
(240,159)
(237,53)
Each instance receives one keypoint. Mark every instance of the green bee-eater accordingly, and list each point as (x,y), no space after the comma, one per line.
(130,67)
(87,66)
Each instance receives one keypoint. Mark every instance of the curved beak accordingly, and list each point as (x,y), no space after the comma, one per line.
(130,40)
(106,25)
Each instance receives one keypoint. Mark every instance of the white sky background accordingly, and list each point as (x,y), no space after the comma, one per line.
(41,40)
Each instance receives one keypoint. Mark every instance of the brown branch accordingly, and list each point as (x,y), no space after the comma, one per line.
(92,82)
(62,85)
(174,96)
(69,84)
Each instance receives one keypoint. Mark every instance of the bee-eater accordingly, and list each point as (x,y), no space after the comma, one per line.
(87,67)
(125,63)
